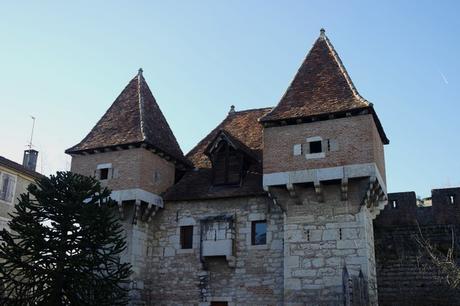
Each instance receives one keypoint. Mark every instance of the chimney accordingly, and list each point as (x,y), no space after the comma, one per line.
(30,159)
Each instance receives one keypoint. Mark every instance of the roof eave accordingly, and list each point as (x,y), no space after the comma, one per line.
(145,144)
(329,116)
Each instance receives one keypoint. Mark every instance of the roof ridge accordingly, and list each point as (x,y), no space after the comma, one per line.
(218,127)
(141,103)
(252,109)
(341,66)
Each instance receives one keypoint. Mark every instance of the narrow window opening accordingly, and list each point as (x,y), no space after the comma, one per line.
(186,237)
(259,232)
(219,303)
(452,199)
(103,173)
(315,147)
(308,235)
(328,144)
(394,204)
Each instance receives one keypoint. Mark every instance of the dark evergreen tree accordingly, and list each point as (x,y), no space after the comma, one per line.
(64,246)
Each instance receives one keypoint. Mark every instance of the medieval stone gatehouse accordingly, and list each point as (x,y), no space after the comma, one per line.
(274,207)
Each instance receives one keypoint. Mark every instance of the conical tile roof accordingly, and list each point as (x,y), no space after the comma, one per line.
(321,86)
(133,119)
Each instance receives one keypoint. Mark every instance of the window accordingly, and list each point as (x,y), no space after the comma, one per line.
(104,173)
(452,199)
(7,184)
(227,165)
(186,237)
(394,204)
(219,303)
(315,147)
(156,176)
(259,232)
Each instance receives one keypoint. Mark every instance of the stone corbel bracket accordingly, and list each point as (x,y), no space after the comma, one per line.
(377,187)
(146,204)
(375,198)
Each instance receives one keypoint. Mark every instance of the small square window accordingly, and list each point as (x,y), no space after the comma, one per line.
(315,147)
(186,237)
(259,232)
(103,173)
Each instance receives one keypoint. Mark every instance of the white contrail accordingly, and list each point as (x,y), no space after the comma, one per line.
(444,78)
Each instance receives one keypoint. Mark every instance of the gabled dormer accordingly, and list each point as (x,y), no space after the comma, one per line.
(230,159)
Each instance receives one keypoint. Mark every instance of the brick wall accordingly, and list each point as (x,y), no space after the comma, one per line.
(357,137)
(134,168)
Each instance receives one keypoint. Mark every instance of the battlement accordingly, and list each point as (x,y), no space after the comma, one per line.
(403,209)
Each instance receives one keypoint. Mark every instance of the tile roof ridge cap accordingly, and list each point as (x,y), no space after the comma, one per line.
(342,68)
(141,102)
(251,110)
(292,79)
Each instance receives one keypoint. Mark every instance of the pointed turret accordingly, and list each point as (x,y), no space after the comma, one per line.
(324,164)
(134,119)
(320,89)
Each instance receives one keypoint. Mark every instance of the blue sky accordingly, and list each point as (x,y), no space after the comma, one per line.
(65,63)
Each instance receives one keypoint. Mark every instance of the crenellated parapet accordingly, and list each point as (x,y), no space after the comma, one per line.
(404,209)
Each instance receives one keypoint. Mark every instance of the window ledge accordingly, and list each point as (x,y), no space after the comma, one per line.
(315,155)
(185,251)
(7,203)
(259,247)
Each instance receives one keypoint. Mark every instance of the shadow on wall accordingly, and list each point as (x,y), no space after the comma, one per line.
(404,275)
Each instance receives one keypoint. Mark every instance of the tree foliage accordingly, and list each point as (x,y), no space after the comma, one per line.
(64,246)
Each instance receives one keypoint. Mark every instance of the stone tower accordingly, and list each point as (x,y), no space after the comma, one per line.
(324,165)
(133,151)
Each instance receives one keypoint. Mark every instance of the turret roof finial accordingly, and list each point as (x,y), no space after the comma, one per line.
(322,32)
(232,109)
(139,72)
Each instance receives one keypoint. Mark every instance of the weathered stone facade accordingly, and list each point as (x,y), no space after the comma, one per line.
(184,277)
(321,238)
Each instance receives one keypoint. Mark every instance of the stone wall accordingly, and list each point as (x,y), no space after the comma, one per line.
(405,275)
(182,277)
(357,140)
(321,238)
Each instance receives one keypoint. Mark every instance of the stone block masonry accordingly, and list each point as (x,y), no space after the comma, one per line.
(182,277)
(320,239)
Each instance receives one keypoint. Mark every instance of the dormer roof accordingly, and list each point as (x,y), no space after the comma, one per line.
(134,119)
(321,87)
(232,141)
(243,130)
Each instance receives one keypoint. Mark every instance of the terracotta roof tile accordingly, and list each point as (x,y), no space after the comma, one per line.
(243,127)
(197,184)
(321,86)
(134,118)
